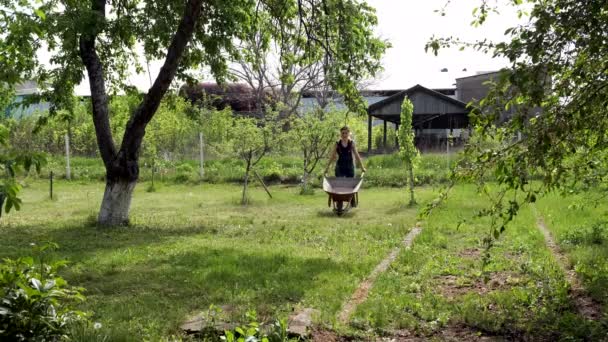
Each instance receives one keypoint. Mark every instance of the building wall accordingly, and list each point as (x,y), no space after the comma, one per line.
(473,88)
(17,111)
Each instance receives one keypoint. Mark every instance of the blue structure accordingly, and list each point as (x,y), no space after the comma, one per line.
(22,92)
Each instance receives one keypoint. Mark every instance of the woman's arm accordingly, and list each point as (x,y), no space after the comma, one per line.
(332,158)
(358,157)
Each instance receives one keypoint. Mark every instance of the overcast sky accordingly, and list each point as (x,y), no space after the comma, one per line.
(408,25)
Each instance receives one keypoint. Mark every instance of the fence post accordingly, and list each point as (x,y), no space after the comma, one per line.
(67,157)
(201,154)
(51,182)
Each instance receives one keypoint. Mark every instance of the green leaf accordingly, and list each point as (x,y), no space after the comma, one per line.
(36,284)
(40,13)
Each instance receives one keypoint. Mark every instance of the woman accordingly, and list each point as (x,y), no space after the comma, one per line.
(344,150)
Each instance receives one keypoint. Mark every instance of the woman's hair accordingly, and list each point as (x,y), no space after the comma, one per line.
(345,128)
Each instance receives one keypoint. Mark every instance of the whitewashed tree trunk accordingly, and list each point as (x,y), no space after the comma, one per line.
(305,182)
(116,203)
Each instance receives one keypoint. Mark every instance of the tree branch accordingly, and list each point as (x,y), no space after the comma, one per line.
(136,126)
(99,97)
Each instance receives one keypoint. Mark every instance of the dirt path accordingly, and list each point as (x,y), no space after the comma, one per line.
(361,293)
(585,305)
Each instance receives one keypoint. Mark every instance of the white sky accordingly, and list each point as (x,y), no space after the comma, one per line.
(408,25)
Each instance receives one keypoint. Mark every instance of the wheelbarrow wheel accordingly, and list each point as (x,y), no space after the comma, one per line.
(339,208)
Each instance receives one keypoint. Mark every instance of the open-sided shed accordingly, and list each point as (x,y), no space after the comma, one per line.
(434,112)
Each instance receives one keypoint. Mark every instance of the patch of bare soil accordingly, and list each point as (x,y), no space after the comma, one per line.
(454,332)
(322,335)
(361,293)
(470,253)
(453,286)
(585,305)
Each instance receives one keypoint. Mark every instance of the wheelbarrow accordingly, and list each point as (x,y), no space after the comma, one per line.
(343,192)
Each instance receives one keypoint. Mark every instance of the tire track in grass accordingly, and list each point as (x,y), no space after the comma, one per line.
(585,305)
(362,292)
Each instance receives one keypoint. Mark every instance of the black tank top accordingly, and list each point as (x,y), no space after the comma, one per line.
(345,154)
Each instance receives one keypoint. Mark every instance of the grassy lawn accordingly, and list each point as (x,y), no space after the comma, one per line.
(192,246)
(581,230)
(439,283)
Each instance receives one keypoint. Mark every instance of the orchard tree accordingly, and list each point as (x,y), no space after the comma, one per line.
(313,133)
(252,140)
(556,88)
(102,38)
(244,137)
(407,149)
(278,63)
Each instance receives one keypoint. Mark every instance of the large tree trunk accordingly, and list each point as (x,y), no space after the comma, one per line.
(122,170)
(116,203)
(121,179)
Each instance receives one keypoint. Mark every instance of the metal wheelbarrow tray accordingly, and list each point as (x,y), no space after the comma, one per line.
(343,192)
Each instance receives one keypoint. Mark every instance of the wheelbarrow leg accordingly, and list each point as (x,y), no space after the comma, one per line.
(355,200)
(329,201)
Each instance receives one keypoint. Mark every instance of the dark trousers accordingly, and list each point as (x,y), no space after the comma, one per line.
(345,171)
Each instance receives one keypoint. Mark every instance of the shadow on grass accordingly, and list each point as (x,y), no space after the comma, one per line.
(163,290)
(77,237)
(331,214)
(400,207)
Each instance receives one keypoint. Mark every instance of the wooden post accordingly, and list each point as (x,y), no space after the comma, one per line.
(51,183)
(67,157)
(369,133)
(201,155)
(262,181)
(384,138)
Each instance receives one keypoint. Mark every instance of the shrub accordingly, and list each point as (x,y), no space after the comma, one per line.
(594,235)
(251,332)
(185,173)
(35,301)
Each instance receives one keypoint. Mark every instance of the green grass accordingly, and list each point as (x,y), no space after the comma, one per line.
(522,292)
(383,170)
(193,246)
(580,227)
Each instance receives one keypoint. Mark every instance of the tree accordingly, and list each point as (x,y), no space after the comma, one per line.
(254,138)
(556,89)
(102,38)
(247,138)
(11,162)
(314,133)
(278,63)
(407,149)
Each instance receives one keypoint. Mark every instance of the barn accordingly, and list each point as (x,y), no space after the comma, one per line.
(437,114)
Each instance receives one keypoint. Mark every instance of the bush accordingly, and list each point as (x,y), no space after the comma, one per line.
(594,235)
(389,170)
(35,302)
(277,332)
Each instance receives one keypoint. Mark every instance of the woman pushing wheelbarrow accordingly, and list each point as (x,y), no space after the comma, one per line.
(344,187)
